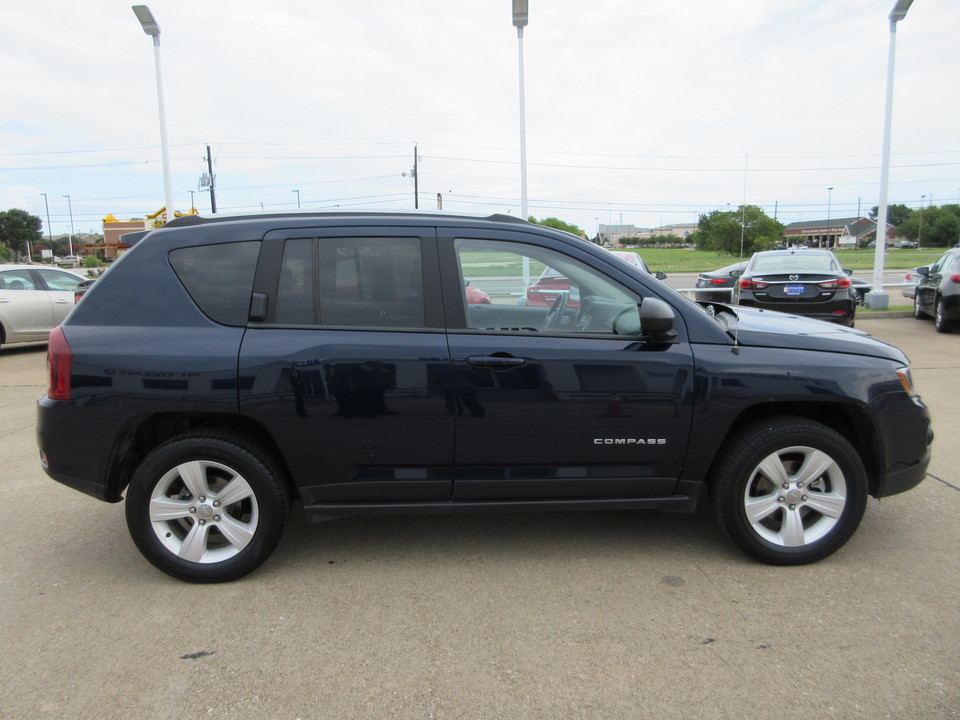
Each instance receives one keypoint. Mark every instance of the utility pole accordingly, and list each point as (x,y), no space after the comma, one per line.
(209,180)
(856,241)
(416,181)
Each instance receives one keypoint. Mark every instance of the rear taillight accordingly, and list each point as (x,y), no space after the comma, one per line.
(955,278)
(835,284)
(59,365)
(717,281)
(753,285)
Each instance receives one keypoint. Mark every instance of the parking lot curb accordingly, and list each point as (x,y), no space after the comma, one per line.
(882,314)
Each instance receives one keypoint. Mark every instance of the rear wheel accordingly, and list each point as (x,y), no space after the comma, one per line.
(207,507)
(789,491)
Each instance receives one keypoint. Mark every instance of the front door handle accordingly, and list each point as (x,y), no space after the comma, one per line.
(496,362)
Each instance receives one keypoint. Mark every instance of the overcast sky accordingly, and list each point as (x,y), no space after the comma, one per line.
(638,112)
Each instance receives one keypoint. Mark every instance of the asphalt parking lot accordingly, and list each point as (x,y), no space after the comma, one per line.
(580,615)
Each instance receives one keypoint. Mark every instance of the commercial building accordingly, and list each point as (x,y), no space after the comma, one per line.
(837,232)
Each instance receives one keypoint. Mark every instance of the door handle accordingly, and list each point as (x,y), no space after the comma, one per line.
(496,362)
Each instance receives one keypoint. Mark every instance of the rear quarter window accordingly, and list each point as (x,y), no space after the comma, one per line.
(219,278)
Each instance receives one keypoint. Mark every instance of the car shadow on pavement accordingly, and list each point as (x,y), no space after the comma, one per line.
(594,535)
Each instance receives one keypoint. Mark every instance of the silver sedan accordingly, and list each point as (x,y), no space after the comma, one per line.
(34,300)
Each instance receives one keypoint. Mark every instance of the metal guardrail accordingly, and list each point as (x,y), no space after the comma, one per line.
(727,290)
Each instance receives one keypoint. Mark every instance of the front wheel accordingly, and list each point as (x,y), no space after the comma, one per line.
(918,307)
(207,507)
(940,320)
(789,491)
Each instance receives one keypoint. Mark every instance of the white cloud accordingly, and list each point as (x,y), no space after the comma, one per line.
(650,110)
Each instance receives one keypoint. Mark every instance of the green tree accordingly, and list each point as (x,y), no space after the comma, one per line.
(896,214)
(558,224)
(17,228)
(722,232)
(933,226)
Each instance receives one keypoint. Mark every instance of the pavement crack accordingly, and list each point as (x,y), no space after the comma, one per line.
(948,484)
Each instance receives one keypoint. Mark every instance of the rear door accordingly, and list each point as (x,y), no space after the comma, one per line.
(559,402)
(346,361)
(60,287)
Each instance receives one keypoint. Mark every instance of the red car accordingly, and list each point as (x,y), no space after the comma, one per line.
(475,296)
(551,283)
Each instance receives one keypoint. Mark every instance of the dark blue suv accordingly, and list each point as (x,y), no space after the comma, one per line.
(224,368)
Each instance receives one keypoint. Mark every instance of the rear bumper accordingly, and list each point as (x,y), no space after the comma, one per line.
(841,312)
(68,451)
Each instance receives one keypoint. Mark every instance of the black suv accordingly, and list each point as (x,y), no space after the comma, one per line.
(383,363)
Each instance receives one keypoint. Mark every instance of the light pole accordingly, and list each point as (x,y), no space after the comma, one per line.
(520,12)
(70,206)
(829,198)
(49,226)
(151,28)
(876,298)
(920,231)
(298,198)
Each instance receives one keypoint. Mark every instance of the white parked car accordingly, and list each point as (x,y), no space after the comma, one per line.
(33,301)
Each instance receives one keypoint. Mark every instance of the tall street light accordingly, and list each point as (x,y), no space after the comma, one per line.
(520,12)
(46,204)
(829,197)
(920,231)
(151,28)
(876,298)
(70,206)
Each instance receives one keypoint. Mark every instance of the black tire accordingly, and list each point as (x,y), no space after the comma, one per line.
(940,319)
(207,507)
(814,506)
(918,307)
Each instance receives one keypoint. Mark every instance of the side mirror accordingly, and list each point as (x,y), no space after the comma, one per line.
(660,275)
(925,270)
(657,320)
(847,271)
(736,273)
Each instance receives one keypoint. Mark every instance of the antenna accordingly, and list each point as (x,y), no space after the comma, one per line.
(743,231)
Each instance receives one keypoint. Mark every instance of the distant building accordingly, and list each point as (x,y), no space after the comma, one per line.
(839,232)
(614,234)
(114,230)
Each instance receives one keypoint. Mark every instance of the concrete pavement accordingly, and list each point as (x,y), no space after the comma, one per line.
(580,615)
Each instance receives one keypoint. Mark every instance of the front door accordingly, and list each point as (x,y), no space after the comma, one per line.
(560,401)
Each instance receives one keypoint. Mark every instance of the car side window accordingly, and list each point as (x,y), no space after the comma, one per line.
(351,282)
(16,280)
(219,278)
(55,280)
(515,287)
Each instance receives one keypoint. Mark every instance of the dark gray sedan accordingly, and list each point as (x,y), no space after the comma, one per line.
(802,282)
